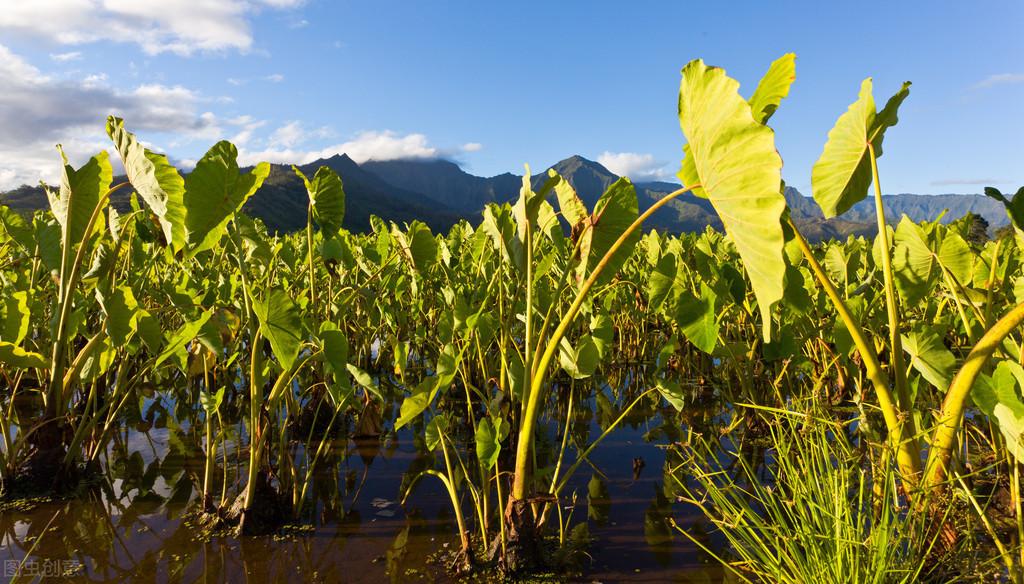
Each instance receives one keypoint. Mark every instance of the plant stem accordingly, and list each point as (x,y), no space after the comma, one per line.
(525,444)
(907,454)
(952,413)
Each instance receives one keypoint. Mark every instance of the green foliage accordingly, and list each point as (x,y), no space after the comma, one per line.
(737,165)
(841,176)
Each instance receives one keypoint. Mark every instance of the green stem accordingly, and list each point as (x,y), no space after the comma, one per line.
(525,443)
(895,343)
(908,455)
(952,413)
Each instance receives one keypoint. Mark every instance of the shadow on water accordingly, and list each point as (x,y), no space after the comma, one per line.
(132,523)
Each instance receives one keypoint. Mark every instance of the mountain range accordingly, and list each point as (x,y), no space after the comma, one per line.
(440,193)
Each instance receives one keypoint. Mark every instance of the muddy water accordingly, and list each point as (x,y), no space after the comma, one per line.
(130,525)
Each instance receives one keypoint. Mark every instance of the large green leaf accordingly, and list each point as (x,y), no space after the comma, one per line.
(489,436)
(14,356)
(841,176)
(770,92)
(155,179)
(1014,205)
(1000,398)
(327,197)
(16,317)
(582,360)
(79,194)
(214,192)
(930,357)
(773,88)
(569,203)
(175,345)
(436,429)
(736,162)
(697,319)
(418,245)
(660,281)
(613,213)
(281,323)
(424,393)
(122,312)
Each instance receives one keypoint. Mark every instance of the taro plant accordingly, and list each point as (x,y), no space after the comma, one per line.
(731,154)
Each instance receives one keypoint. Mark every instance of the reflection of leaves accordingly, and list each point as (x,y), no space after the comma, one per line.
(599,502)
(657,532)
(396,553)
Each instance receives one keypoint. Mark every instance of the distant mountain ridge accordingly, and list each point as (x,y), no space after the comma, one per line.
(440,193)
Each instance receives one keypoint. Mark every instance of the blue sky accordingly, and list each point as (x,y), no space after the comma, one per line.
(494,87)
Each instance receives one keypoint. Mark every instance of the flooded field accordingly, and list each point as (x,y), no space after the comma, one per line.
(133,521)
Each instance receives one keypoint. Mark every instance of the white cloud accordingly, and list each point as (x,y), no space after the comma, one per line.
(369,145)
(65,57)
(999,79)
(239,81)
(634,165)
(157,26)
(472,147)
(38,111)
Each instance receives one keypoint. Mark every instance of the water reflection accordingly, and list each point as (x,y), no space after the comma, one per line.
(133,521)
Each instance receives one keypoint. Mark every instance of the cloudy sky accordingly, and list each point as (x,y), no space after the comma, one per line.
(496,87)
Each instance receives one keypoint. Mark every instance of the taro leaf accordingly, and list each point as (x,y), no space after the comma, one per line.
(13,225)
(122,312)
(16,317)
(155,179)
(547,222)
(176,342)
(912,262)
(47,236)
(335,348)
(281,323)
(673,393)
(14,356)
(613,213)
(327,197)
(498,224)
(418,401)
(930,357)
(602,330)
(418,245)
(211,401)
(150,331)
(999,397)
(214,192)
(736,162)
(955,256)
(79,194)
(770,92)
(365,380)
(696,318)
(436,429)
(841,176)
(773,87)
(582,360)
(659,283)
(428,388)
(526,208)
(1014,206)
(569,203)
(489,436)
(102,263)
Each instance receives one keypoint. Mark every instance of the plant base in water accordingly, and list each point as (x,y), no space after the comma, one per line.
(522,549)
(267,511)
(43,470)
